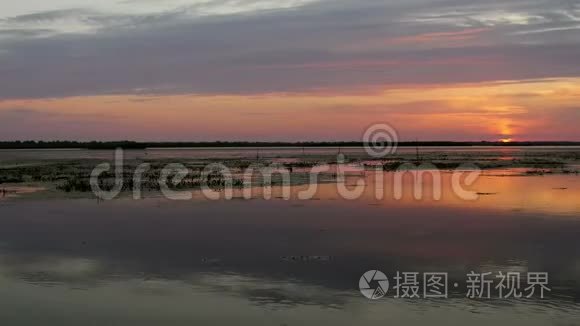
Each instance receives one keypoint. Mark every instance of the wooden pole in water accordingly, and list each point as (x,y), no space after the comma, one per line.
(417,149)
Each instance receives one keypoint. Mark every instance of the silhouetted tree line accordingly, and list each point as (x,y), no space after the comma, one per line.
(142,145)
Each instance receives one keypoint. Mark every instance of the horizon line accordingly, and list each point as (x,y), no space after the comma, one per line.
(126,144)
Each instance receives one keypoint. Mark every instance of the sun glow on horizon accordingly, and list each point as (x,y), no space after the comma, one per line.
(523,111)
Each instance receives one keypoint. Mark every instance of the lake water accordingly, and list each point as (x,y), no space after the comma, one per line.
(288,262)
(268,152)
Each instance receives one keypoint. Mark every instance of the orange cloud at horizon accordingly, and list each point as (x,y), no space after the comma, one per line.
(511,110)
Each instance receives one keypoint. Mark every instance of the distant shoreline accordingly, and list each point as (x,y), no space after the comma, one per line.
(184,145)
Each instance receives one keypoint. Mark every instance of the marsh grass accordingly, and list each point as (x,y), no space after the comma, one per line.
(72,176)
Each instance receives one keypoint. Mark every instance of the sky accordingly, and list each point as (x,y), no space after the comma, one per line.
(289,70)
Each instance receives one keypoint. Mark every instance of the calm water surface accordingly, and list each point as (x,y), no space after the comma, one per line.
(228,153)
(277,262)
